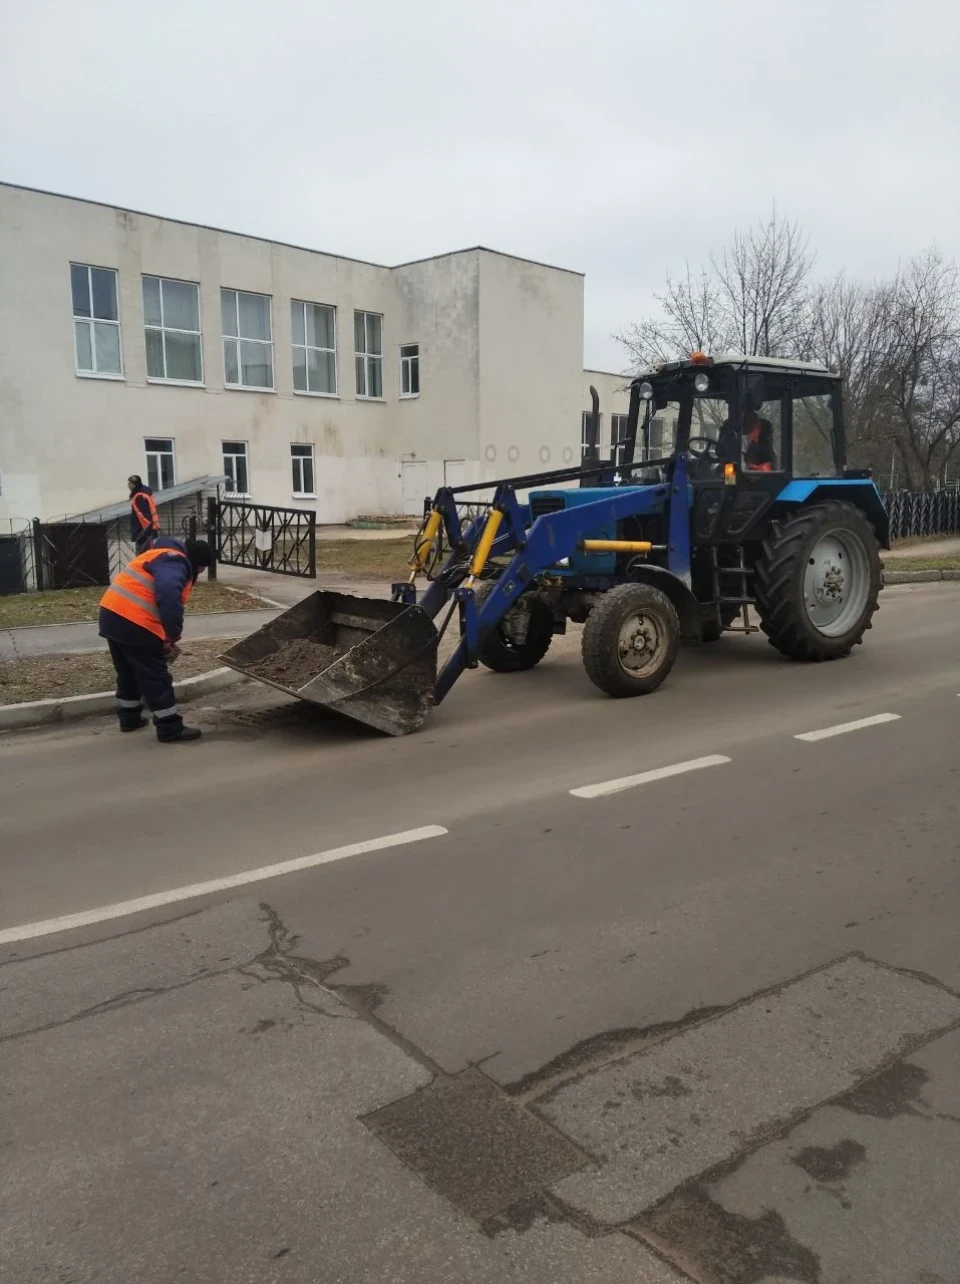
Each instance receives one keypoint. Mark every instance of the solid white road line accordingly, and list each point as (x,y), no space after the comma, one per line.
(27,931)
(842,728)
(645,777)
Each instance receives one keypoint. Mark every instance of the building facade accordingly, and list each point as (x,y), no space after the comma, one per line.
(136,344)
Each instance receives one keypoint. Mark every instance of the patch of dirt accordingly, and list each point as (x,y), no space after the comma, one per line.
(46,677)
(716,1246)
(898,1090)
(830,1163)
(296,663)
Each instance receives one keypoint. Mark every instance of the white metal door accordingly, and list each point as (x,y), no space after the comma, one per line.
(454,472)
(413,485)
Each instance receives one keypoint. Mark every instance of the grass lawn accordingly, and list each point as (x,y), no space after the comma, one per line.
(378,559)
(44,677)
(70,606)
(942,563)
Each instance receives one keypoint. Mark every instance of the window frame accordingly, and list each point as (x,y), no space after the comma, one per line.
(585,417)
(295,459)
(159,454)
(163,329)
(239,338)
(368,356)
(224,455)
(617,443)
(310,347)
(408,363)
(91,320)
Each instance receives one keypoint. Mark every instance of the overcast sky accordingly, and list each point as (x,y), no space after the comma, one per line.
(610,136)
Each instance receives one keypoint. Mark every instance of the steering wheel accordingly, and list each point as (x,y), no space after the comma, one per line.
(706,449)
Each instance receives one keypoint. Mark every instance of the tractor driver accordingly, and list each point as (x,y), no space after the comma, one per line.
(753,443)
(757,440)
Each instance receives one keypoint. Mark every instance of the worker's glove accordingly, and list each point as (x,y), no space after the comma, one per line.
(171,652)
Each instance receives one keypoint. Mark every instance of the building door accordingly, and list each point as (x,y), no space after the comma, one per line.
(413,485)
(454,472)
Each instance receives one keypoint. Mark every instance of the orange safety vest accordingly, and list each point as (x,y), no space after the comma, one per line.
(153,523)
(753,437)
(133,593)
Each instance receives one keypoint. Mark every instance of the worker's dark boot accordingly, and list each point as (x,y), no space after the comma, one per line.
(175,736)
(128,725)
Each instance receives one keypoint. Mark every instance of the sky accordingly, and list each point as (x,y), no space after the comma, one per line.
(617,137)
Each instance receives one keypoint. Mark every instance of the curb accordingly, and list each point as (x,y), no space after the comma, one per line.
(918,577)
(42,713)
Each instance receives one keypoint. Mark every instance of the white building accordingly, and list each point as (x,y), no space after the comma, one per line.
(132,343)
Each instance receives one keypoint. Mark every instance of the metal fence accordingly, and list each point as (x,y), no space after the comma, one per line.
(81,553)
(919,513)
(264,538)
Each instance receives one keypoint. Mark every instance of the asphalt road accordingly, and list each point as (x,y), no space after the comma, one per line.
(705,1026)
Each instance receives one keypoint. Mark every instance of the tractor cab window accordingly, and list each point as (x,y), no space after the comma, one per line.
(761,436)
(757,442)
(662,431)
(813,450)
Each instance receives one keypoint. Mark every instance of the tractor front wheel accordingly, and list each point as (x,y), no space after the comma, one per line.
(521,639)
(817,582)
(630,640)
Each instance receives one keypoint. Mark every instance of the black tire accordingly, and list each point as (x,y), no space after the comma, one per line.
(502,654)
(785,608)
(603,657)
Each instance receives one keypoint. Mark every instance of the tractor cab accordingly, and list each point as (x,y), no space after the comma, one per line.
(748,425)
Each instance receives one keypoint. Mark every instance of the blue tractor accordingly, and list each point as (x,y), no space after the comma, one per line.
(727,507)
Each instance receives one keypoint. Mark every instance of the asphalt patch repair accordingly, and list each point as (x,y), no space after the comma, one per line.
(690,1108)
(474,1145)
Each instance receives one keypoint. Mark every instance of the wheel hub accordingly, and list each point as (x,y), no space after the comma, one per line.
(638,643)
(836,583)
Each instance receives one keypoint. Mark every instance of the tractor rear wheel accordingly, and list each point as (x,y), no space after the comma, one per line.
(817,582)
(521,639)
(630,640)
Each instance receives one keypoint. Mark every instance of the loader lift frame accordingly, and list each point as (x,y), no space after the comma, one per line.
(643,552)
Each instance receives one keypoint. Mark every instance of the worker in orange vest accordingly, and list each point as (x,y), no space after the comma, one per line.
(141,617)
(144,518)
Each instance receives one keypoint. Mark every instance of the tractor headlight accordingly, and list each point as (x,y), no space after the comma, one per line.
(646,391)
(701,382)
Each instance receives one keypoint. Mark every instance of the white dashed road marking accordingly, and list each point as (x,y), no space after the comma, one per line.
(645,777)
(842,728)
(46,927)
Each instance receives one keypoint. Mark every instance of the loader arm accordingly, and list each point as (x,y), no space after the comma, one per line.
(555,536)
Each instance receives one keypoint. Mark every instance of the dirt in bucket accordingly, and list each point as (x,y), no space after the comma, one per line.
(296,663)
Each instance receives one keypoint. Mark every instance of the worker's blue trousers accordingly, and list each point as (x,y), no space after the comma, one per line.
(143,678)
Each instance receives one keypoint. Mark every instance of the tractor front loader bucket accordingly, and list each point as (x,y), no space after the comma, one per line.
(368,659)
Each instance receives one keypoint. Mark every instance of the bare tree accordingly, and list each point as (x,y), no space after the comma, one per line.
(690,321)
(763,286)
(751,297)
(914,387)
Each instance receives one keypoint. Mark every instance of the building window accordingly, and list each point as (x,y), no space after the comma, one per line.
(301,460)
(160,470)
(314,348)
(410,370)
(618,438)
(171,318)
(247,339)
(368,345)
(235,467)
(96,320)
(585,426)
